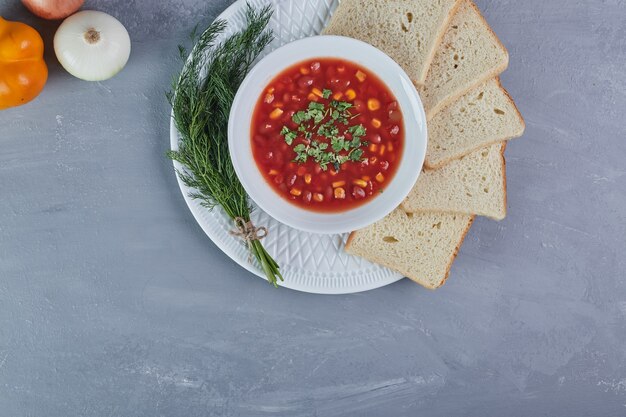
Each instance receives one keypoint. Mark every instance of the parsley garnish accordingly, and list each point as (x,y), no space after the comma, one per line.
(326,143)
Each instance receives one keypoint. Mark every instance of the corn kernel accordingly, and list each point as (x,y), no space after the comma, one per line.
(350,94)
(366,178)
(390,146)
(373,148)
(380,177)
(376,123)
(382,150)
(332,172)
(340,193)
(373,104)
(360,75)
(373,160)
(301,171)
(304,71)
(270,90)
(341,69)
(307,178)
(273,172)
(318,197)
(338,184)
(312,97)
(295,192)
(360,183)
(276,113)
(338,96)
(317,92)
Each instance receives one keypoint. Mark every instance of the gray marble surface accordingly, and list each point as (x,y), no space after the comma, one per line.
(114,303)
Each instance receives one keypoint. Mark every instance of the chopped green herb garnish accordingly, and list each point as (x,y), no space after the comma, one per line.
(289,135)
(321,121)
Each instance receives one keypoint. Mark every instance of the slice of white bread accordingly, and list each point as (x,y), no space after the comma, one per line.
(469,54)
(422,246)
(409,31)
(474,184)
(482,117)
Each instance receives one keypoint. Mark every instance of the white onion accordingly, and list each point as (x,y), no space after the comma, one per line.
(92,46)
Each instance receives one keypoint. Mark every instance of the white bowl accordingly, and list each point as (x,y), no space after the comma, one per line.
(365,55)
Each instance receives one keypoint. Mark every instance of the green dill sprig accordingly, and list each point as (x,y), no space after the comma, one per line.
(201,99)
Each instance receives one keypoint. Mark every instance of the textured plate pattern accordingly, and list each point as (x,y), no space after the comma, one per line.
(309,262)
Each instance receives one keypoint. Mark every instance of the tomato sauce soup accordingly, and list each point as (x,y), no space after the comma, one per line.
(327,135)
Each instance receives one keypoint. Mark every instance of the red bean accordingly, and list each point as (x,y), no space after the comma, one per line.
(278,179)
(317,169)
(305,81)
(339,84)
(359,105)
(392,106)
(328,193)
(375,138)
(291,180)
(395,115)
(276,157)
(267,127)
(358,192)
(260,139)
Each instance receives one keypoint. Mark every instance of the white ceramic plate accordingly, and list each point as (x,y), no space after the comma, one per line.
(309,262)
(373,61)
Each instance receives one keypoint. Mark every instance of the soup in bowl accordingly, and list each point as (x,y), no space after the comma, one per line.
(327,134)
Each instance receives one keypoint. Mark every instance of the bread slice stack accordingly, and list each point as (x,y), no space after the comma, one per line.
(455,59)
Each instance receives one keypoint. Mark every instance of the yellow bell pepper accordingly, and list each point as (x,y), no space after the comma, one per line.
(23,72)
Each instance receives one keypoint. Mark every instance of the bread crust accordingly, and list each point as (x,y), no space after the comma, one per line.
(519,114)
(349,241)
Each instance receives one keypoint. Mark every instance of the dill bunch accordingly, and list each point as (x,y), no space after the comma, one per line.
(201,99)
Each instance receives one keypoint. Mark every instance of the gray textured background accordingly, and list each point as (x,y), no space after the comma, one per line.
(114,303)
